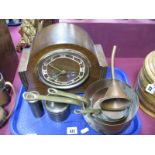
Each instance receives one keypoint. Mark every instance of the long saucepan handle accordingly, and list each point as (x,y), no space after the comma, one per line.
(31,96)
(53,91)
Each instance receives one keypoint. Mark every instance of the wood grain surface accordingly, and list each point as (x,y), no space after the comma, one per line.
(8,56)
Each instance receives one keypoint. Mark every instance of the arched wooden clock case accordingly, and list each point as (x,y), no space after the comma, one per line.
(53,38)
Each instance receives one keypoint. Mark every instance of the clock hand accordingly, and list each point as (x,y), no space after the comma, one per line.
(61,73)
(56,68)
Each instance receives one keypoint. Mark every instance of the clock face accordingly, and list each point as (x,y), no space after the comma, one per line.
(63,68)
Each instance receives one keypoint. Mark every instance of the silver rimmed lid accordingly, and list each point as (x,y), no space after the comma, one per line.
(56,107)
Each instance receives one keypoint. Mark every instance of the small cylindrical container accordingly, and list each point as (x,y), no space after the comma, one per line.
(36,107)
(57,111)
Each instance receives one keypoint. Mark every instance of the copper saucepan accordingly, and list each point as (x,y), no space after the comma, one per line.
(98,122)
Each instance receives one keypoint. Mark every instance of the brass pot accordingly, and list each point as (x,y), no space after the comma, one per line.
(147,76)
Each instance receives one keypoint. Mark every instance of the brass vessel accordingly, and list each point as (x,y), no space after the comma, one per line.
(147,76)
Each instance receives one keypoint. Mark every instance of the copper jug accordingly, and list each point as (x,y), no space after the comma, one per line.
(4,93)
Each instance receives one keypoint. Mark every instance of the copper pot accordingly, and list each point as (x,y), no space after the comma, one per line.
(104,126)
(4,94)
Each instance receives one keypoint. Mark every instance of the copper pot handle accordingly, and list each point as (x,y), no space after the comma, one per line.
(15,95)
(31,96)
(53,91)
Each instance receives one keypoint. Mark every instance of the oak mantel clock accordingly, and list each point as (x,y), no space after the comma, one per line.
(62,56)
